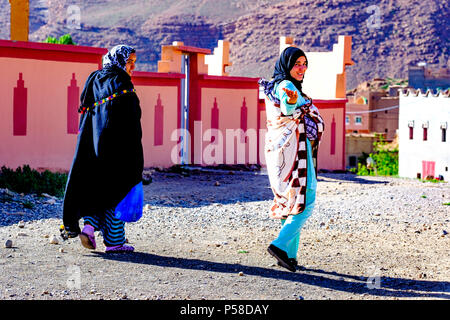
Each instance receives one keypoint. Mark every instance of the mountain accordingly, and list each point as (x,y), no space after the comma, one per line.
(388,35)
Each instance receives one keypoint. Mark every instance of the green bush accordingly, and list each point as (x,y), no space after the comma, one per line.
(386,161)
(362,170)
(27,180)
(65,39)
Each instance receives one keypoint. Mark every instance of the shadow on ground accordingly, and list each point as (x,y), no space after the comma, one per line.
(178,190)
(225,189)
(349,177)
(388,287)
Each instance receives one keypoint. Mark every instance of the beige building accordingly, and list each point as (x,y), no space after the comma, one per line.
(424,78)
(355,145)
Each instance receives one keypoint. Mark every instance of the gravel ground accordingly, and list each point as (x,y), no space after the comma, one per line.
(205,235)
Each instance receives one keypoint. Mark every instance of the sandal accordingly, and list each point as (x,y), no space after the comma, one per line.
(120,249)
(87,237)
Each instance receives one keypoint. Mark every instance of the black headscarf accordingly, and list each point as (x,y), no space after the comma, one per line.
(282,72)
(284,65)
(108,160)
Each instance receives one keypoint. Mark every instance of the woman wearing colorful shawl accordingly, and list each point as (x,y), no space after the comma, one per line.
(108,160)
(294,132)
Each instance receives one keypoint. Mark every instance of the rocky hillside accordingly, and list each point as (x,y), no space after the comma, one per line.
(387,35)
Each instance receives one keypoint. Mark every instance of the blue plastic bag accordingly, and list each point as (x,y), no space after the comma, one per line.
(131,207)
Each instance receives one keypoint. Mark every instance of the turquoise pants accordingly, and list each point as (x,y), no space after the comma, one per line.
(289,236)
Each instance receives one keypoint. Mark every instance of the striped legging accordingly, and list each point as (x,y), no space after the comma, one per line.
(112,229)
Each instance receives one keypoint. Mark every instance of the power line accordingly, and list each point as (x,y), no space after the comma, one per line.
(370,111)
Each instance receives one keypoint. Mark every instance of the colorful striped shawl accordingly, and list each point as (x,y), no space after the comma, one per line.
(286,158)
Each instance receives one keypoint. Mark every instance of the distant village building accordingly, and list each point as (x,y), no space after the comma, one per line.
(424,78)
(372,109)
(424,146)
(357,144)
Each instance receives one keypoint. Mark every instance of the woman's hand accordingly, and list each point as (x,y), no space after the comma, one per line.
(292,95)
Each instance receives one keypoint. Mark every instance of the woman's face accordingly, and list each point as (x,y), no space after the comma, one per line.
(299,69)
(129,67)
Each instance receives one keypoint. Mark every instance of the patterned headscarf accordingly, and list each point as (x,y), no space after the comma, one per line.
(118,56)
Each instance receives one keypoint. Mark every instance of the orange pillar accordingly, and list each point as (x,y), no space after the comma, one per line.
(20,11)
(341,85)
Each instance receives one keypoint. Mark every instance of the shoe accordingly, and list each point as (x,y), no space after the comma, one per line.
(292,261)
(87,237)
(295,264)
(120,249)
(282,257)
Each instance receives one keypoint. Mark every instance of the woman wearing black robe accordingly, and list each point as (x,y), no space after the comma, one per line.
(108,161)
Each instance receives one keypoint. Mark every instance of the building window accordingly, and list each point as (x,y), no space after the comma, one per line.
(358,120)
(425,126)
(444,131)
(347,120)
(411,129)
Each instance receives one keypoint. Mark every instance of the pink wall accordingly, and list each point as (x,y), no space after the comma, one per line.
(262,119)
(39,124)
(332,147)
(237,101)
(53,77)
(159,98)
(47,72)
(237,109)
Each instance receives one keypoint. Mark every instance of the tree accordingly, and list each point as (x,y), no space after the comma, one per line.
(65,39)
